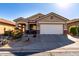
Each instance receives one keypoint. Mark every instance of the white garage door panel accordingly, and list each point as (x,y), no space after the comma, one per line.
(51,29)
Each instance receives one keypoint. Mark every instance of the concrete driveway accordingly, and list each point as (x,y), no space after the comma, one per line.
(48,42)
(41,43)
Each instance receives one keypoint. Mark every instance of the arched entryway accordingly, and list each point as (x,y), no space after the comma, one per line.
(22,26)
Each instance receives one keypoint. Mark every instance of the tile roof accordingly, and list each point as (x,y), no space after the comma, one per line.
(30,18)
(20,18)
(34,16)
(39,16)
(7,22)
(73,20)
(54,14)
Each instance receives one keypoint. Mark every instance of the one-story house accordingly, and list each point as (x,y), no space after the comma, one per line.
(73,22)
(6,25)
(50,23)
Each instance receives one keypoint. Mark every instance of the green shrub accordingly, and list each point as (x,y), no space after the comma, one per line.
(73,30)
(17,33)
(7,33)
(78,30)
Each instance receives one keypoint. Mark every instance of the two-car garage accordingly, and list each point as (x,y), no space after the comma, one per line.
(51,28)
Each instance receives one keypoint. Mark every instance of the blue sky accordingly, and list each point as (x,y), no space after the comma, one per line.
(11,11)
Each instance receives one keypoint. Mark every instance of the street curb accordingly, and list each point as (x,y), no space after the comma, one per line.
(40,50)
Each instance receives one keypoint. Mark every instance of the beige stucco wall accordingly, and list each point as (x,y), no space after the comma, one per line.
(48,19)
(8,27)
(45,19)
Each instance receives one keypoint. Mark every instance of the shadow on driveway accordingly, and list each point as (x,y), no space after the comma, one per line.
(44,43)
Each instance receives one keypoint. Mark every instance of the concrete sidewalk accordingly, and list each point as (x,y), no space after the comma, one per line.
(64,53)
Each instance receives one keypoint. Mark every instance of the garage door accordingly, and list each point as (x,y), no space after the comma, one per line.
(51,29)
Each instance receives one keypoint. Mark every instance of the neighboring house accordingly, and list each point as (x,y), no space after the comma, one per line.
(6,25)
(51,23)
(74,22)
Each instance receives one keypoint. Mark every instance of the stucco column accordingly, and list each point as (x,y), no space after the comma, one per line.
(65,28)
(16,24)
(26,26)
(38,28)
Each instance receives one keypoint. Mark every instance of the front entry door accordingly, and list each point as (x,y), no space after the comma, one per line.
(32,26)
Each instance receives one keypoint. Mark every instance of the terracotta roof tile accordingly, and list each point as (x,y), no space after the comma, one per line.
(7,22)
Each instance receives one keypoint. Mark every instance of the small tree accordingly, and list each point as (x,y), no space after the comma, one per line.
(78,30)
(73,30)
